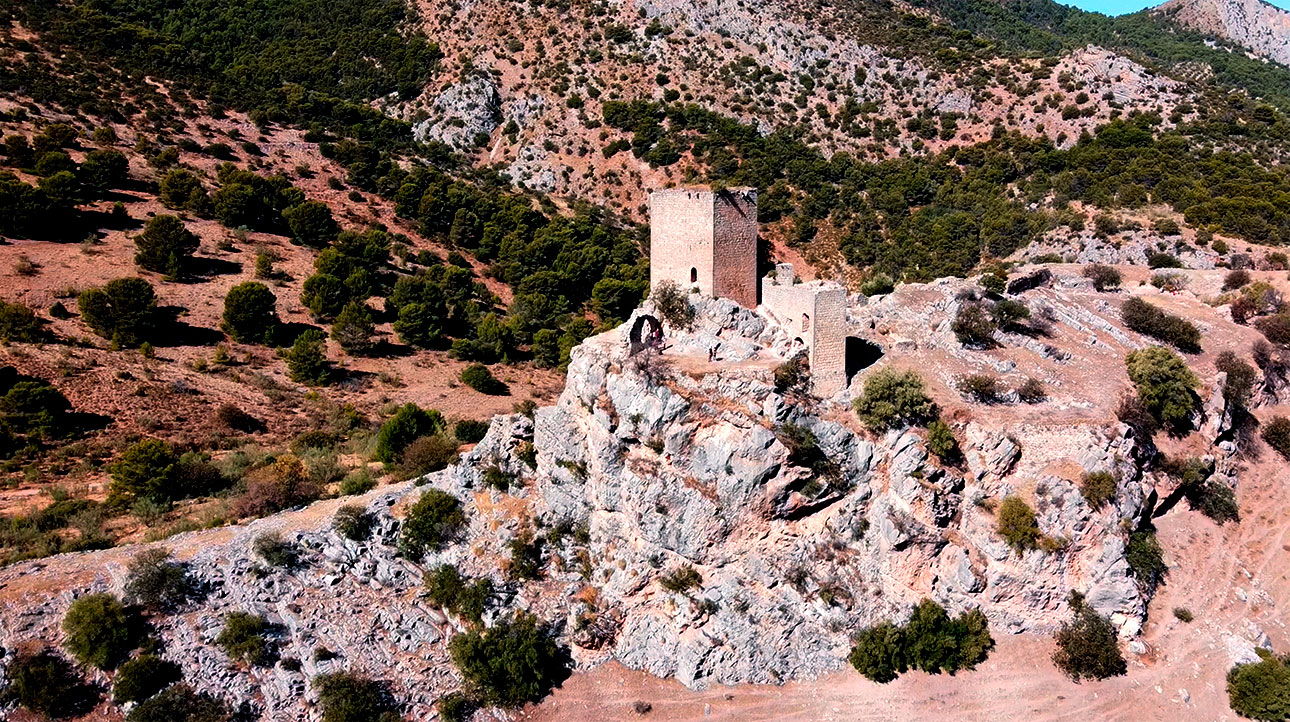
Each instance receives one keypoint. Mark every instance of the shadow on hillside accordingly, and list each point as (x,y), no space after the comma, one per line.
(202,269)
(171,331)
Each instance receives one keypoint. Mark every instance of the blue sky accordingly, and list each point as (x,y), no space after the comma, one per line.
(1119,7)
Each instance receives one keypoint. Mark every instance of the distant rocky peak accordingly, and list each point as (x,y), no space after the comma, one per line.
(1262,28)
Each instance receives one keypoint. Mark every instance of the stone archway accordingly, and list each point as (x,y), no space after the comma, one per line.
(646,333)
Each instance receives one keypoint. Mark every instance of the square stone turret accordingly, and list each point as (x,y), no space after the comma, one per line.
(705,240)
(816,313)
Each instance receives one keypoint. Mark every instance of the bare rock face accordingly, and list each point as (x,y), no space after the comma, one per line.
(673,466)
(1258,26)
(462,112)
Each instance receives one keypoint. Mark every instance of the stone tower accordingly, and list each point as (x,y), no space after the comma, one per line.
(705,240)
(816,313)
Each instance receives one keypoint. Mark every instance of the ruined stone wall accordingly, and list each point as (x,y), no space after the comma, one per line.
(829,342)
(681,239)
(815,312)
(734,245)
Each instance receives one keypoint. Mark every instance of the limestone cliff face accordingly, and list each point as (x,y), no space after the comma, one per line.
(653,463)
(672,464)
(1262,28)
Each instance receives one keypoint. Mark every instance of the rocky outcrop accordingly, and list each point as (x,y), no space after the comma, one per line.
(1260,27)
(793,526)
(462,113)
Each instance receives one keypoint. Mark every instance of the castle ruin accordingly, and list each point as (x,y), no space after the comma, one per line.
(705,241)
(816,312)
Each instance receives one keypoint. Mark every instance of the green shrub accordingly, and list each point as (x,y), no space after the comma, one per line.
(353,522)
(1146,559)
(447,589)
(455,707)
(311,224)
(929,641)
(1261,690)
(512,663)
(99,631)
(496,478)
(47,685)
(1166,387)
(470,431)
(941,442)
(182,189)
(409,423)
(1010,314)
(673,305)
(1032,391)
(982,388)
(33,407)
(430,523)
(1163,260)
(348,697)
(147,470)
(1103,277)
(877,285)
(1018,525)
(122,311)
(423,325)
(179,703)
(1097,488)
(479,378)
(359,481)
(307,361)
(156,582)
(165,246)
(973,326)
(1277,435)
(428,454)
(243,638)
(1183,615)
(18,323)
(142,677)
(1241,377)
(1214,499)
(878,652)
(274,550)
(1087,646)
(792,375)
(1140,316)
(525,563)
(894,399)
(250,313)
(682,579)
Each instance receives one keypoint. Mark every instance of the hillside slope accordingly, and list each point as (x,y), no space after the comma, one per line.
(1261,27)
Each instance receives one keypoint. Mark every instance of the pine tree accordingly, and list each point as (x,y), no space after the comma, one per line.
(353,329)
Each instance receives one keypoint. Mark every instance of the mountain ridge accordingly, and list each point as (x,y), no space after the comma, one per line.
(1261,27)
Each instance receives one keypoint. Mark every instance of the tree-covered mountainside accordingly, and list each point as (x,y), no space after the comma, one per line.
(1044,27)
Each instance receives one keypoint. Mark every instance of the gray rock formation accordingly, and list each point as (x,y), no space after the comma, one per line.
(462,112)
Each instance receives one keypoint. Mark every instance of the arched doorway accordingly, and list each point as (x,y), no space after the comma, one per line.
(694,275)
(646,333)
